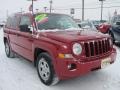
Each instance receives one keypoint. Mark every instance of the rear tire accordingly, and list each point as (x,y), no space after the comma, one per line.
(8,50)
(45,70)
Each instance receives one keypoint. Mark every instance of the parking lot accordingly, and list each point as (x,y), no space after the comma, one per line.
(20,74)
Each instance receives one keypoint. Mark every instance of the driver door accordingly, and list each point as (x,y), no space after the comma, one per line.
(25,39)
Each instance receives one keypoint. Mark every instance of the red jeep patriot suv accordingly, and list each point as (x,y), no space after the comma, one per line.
(57,46)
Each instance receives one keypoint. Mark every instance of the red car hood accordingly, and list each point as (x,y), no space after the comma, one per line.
(71,36)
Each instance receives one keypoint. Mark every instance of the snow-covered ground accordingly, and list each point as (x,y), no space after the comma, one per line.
(19,74)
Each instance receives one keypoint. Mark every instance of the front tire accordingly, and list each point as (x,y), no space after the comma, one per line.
(8,51)
(45,70)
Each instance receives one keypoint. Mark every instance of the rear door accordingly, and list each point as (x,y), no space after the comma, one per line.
(12,28)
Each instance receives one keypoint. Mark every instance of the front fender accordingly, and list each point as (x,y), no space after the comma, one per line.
(49,48)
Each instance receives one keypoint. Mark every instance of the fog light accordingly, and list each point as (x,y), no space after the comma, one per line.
(72,67)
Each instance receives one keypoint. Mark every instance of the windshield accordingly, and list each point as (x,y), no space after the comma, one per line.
(54,21)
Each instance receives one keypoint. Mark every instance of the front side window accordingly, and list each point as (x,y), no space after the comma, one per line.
(54,21)
(25,24)
(25,20)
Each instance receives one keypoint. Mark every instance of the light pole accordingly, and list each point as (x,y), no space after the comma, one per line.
(83,9)
(32,7)
(51,2)
(101,9)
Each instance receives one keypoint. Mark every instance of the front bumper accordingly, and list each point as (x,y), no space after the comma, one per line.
(81,67)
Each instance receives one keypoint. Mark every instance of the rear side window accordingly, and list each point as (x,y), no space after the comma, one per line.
(25,20)
(12,22)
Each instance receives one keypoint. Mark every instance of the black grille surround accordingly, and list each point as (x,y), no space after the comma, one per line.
(97,47)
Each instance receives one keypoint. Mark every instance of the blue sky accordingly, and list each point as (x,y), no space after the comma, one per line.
(16,5)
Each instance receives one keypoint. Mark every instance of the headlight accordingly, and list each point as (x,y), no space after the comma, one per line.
(77,49)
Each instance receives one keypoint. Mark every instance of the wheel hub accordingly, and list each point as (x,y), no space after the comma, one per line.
(44,69)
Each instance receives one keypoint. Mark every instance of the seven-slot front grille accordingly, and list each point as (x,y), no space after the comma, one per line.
(94,48)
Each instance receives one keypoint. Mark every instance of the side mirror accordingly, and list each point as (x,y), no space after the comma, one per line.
(25,28)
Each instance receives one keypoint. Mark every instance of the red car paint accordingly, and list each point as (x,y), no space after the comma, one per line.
(25,44)
(104,28)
